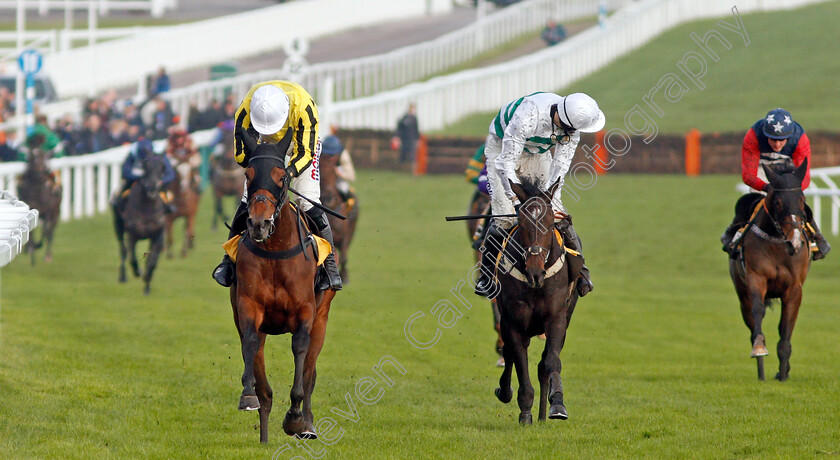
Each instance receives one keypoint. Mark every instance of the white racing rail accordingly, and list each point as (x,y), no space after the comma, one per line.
(444,100)
(828,190)
(370,75)
(17,221)
(88,180)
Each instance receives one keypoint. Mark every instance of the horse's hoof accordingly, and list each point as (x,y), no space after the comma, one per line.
(308,432)
(525,418)
(557,412)
(122,279)
(294,424)
(781,377)
(759,350)
(249,402)
(500,362)
(147,290)
(504,396)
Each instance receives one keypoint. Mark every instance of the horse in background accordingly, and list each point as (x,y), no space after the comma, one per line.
(535,296)
(227,177)
(141,216)
(41,189)
(773,263)
(343,230)
(274,292)
(480,205)
(185,189)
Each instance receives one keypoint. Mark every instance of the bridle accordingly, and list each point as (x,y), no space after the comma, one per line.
(795,219)
(280,191)
(537,250)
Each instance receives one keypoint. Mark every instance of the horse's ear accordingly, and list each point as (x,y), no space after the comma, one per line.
(802,170)
(248,140)
(772,177)
(523,197)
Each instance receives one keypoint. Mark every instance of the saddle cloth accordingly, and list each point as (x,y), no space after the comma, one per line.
(231,248)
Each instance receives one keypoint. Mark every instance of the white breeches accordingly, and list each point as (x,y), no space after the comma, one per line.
(534,168)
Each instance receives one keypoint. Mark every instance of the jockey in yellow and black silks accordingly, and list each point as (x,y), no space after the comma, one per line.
(283,112)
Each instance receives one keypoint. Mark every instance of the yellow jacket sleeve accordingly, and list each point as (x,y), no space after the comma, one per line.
(302,122)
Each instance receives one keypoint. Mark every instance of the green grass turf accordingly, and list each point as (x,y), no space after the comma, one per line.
(791,62)
(656,363)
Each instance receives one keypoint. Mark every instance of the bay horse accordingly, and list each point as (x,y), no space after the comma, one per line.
(186,194)
(141,217)
(480,204)
(535,296)
(343,229)
(274,292)
(41,190)
(773,263)
(226,176)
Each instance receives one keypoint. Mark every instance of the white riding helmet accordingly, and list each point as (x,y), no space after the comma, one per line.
(269,109)
(581,112)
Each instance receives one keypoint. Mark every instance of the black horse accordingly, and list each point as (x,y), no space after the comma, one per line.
(535,295)
(40,189)
(141,216)
(773,263)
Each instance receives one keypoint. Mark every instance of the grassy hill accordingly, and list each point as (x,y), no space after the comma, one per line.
(792,61)
(656,363)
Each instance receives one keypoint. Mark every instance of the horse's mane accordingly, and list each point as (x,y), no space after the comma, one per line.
(530,187)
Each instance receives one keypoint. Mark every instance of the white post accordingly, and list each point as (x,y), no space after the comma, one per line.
(158,7)
(90,191)
(68,15)
(67,179)
(19,104)
(480,13)
(325,103)
(92,17)
(102,188)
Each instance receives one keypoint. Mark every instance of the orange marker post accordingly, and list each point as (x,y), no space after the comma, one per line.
(421,160)
(692,153)
(600,154)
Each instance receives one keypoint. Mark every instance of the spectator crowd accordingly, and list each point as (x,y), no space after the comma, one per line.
(107,121)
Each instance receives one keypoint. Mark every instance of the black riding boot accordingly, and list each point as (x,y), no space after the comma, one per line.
(822,245)
(492,243)
(333,281)
(577,266)
(731,238)
(225,272)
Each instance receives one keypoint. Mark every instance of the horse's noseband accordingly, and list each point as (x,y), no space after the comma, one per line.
(538,250)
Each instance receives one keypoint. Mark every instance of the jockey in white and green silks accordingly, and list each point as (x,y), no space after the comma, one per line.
(534,138)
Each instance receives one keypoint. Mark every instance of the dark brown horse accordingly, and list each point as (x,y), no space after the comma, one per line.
(186,194)
(274,291)
(227,178)
(535,296)
(343,229)
(41,190)
(773,264)
(142,216)
(480,204)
